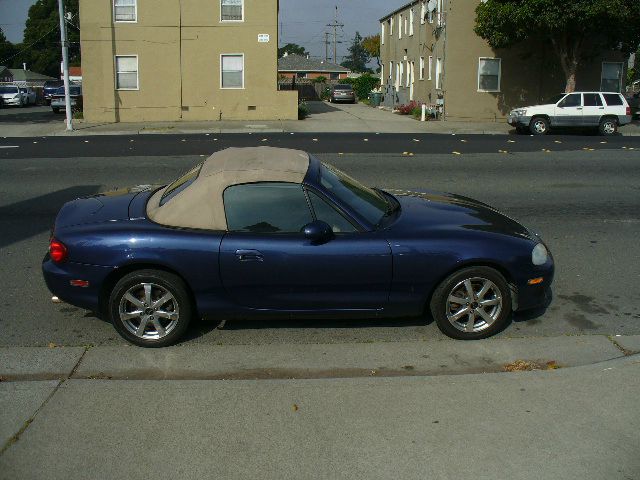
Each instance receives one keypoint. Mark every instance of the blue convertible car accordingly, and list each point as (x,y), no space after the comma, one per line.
(274,232)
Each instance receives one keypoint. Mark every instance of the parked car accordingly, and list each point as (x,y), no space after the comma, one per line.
(50,88)
(634,102)
(11,95)
(342,93)
(605,111)
(260,232)
(28,95)
(58,101)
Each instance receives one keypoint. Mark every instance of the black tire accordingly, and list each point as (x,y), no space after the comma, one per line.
(521,130)
(55,110)
(608,126)
(162,282)
(539,126)
(450,287)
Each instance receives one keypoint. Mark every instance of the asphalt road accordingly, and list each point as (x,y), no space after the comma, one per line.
(584,203)
(397,144)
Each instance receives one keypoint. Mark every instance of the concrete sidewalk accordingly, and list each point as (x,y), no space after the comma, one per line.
(324,118)
(573,423)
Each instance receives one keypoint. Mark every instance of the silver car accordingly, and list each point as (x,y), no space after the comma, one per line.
(11,95)
(342,93)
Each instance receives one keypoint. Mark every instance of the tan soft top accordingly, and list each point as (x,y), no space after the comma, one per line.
(200,205)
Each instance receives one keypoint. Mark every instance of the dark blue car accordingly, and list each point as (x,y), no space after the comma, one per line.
(262,232)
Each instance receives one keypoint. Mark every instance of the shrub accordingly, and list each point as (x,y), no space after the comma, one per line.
(319,79)
(362,85)
(408,108)
(303,111)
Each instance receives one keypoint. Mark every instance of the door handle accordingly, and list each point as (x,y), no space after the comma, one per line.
(249,256)
(579,108)
(600,108)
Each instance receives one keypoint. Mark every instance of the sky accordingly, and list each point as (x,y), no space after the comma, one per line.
(301,21)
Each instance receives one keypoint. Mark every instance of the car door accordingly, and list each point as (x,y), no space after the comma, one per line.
(267,263)
(593,109)
(568,112)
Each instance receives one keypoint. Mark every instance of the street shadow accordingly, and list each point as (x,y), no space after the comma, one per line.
(26,116)
(321,107)
(36,215)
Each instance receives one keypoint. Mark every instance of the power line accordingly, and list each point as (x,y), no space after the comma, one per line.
(335,26)
(28,46)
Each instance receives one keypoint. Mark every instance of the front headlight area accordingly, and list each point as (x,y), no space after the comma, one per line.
(520,112)
(539,254)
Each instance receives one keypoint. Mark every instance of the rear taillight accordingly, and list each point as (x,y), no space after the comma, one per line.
(57,251)
(628,110)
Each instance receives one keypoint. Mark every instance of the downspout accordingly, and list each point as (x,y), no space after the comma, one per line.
(444,59)
(180,52)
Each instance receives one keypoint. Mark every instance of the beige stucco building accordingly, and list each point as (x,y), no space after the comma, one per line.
(430,54)
(167,60)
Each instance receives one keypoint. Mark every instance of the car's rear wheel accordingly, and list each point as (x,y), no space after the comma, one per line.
(55,110)
(539,126)
(472,303)
(150,308)
(608,126)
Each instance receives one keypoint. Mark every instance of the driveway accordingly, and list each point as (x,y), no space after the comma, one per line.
(29,121)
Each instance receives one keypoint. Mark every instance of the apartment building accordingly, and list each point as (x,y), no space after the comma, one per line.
(168,60)
(430,54)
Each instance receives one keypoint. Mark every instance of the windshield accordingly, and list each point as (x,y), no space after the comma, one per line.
(555,99)
(364,200)
(8,89)
(180,184)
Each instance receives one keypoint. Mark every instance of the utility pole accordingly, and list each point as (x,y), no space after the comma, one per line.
(65,65)
(335,26)
(326,47)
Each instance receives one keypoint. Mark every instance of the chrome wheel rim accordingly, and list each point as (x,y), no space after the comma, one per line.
(474,305)
(149,311)
(540,126)
(609,127)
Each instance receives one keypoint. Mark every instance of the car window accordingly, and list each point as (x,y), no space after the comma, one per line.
(8,89)
(573,100)
(612,99)
(343,87)
(266,208)
(361,199)
(180,184)
(592,100)
(330,215)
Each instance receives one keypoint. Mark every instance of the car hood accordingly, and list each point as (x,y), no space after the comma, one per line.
(433,212)
(531,107)
(8,95)
(107,206)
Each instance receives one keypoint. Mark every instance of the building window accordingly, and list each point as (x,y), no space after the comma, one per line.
(409,75)
(125,10)
(489,74)
(423,12)
(411,20)
(382,74)
(231,10)
(335,76)
(438,73)
(400,27)
(421,68)
(391,26)
(440,13)
(611,79)
(232,71)
(430,66)
(382,34)
(302,74)
(127,72)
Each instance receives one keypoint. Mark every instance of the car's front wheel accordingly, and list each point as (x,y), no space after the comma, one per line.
(608,126)
(539,126)
(472,303)
(150,308)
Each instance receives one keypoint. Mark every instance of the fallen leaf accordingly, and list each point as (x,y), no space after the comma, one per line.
(295,407)
(52,345)
(456,153)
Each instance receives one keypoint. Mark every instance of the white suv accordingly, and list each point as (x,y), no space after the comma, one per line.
(603,110)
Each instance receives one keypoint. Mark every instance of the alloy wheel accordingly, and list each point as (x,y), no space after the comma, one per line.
(149,311)
(540,126)
(609,127)
(474,305)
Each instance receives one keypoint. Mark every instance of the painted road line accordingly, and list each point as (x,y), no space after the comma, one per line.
(9,146)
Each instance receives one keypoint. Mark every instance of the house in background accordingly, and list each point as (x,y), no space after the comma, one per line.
(5,75)
(166,60)
(26,78)
(430,54)
(299,66)
(75,74)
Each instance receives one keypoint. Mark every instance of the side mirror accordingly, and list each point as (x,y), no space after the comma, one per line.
(318,232)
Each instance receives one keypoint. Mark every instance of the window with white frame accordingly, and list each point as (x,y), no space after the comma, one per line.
(408,77)
(382,34)
(231,10)
(430,66)
(411,20)
(390,72)
(125,10)
(382,82)
(489,73)
(423,12)
(400,26)
(405,26)
(440,13)
(438,73)
(611,78)
(391,26)
(232,71)
(127,72)
(421,68)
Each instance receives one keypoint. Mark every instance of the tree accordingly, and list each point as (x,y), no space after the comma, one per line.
(292,49)
(42,37)
(372,45)
(576,30)
(6,50)
(358,56)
